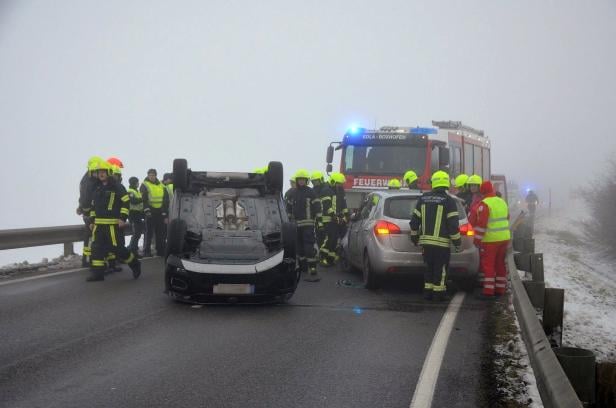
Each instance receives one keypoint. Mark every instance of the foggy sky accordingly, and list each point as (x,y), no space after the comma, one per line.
(230,85)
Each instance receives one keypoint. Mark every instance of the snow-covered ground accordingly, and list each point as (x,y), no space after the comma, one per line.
(573,263)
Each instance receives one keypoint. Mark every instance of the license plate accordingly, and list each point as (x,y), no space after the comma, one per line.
(233,289)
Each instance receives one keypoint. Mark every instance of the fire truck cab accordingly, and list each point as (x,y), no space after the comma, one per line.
(371,157)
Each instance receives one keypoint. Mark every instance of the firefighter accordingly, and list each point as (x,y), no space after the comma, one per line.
(462,191)
(410,179)
(339,205)
(288,197)
(155,207)
(116,174)
(394,184)
(87,185)
(492,237)
(109,211)
(434,226)
(135,215)
(168,182)
(305,208)
(326,228)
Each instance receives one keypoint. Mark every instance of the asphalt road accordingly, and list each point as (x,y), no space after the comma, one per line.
(123,343)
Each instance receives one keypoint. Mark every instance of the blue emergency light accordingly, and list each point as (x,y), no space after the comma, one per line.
(354,130)
(423,131)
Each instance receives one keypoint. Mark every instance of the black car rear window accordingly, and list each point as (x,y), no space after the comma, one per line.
(400,207)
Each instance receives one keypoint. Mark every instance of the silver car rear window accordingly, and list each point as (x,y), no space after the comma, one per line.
(400,207)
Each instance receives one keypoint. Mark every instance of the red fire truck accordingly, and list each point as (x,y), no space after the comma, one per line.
(369,158)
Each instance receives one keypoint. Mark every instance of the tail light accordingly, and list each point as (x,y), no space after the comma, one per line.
(386,228)
(467,229)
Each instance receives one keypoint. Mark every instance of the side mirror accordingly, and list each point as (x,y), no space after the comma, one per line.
(443,158)
(330,155)
(329,168)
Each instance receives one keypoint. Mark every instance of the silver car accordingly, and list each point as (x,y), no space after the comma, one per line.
(377,240)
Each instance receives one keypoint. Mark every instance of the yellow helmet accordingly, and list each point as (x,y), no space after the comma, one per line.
(317,175)
(394,184)
(292,178)
(474,179)
(302,173)
(461,180)
(337,178)
(260,170)
(93,163)
(409,177)
(440,179)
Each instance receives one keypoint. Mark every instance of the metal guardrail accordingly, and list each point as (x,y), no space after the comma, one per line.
(32,237)
(554,386)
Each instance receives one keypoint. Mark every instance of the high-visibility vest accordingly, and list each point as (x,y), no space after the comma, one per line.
(136,194)
(497,229)
(156,193)
(169,188)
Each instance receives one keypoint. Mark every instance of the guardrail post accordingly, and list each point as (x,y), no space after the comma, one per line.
(536,267)
(536,293)
(68,249)
(522,261)
(553,307)
(529,246)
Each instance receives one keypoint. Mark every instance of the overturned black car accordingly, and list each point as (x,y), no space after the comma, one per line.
(229,238)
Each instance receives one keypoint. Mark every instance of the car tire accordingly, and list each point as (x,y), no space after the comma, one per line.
(176,233)
(289,239)
(370,278)
(180,174)
(274,176)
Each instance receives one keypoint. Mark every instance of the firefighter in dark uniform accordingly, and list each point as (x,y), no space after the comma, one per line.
(110,204)
(339,206)
(434,226)
(288,197)
(135,215)
(88,184)
(155,207)
(326,227)
(306,206)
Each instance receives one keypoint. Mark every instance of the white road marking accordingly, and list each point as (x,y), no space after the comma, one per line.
(424,391)
(46,275)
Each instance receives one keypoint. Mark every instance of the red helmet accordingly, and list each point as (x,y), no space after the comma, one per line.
(116,162)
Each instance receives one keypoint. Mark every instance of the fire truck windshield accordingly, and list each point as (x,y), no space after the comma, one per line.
(383,160)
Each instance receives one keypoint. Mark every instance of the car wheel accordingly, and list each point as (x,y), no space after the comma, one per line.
(176,232)
(370,278)
(274,176)
(282,299)
(180,174)
(289,239)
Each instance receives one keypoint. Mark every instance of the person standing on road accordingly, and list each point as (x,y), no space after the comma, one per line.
(434,226)
(394,184)
(110,209)
(339,206)
(532,201)
(89,182)
(306,206)
(288,197)
(155,207)
(326,228)
(474,197)
(492,237)
(410,179)
(135,215)
(168,182)
(462,191)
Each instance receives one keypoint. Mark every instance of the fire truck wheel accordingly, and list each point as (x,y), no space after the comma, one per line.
(180,174)
(274,176)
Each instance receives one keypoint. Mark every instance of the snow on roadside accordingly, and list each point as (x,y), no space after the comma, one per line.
(574,264)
